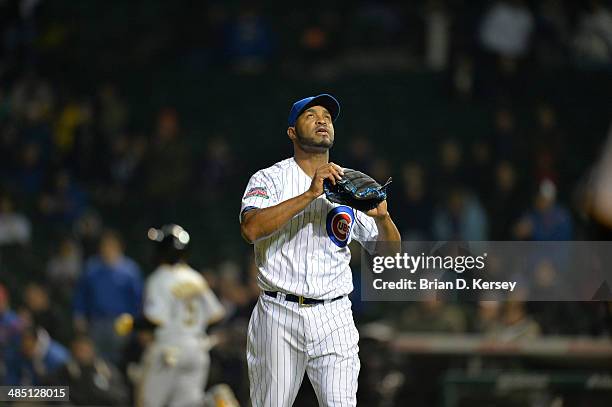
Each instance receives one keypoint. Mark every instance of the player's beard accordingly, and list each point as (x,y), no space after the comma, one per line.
(311,145)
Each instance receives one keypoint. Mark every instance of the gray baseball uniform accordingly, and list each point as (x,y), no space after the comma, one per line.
(175,367)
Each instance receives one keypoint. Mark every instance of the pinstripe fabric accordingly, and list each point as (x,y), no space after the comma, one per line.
(301,258)
(285,340)
(309,256)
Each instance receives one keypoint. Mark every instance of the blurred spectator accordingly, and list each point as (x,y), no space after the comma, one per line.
(432,316)
(15,228)
(5,105)
(31,94)
(168,163)
(233,294)
(505,37)
(506,28)
(87,230)
(124,166)
(515,323)
(249,41)
(376,24)
(463,77)
(10,152)
(9,17)
(548,220)
(128,153)
(461,218)
(414,211)
(437,35)
(29,169)
(381,170)
(488,317)
(552,33)
(479,169)
(35,127)
(11,327)
(43,313)
(548,144)
(217,168)
(314,40)
(318,40)
(74,115)
(111,285)
(19,33)
(593,39)
(504,204)
(547,283)
(65,201)
(555,317)
(450,172)
(566,318)
(92,380)
(113,111)
(79,146)
(376,38)
(507,142)
(64,266)
(39,356)
(360,152)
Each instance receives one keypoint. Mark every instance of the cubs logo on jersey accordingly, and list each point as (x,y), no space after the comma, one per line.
(339,223)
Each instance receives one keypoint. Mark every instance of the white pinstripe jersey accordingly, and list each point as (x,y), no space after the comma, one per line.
(309,255)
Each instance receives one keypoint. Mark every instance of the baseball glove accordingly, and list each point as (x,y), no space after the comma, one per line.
(357,190)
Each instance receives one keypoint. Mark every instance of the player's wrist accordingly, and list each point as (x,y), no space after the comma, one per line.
(311,196)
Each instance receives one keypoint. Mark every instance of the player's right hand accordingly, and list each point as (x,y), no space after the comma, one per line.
(332,172)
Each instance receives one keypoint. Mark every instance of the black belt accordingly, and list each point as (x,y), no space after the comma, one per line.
(301,300)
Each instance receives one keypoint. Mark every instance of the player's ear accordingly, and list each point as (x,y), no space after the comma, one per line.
(291,133)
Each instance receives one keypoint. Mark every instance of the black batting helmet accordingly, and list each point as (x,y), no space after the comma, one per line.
(171,243)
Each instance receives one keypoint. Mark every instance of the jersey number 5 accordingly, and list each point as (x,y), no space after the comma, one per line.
(191,308)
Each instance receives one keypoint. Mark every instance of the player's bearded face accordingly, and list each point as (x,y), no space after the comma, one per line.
(314,130)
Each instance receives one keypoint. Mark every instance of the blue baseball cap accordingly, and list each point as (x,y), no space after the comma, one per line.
(327,101)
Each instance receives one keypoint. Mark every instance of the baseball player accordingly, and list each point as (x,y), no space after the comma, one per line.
(180,304)
(302,321)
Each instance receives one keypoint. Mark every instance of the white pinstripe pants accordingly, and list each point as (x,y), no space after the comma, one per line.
(286,339)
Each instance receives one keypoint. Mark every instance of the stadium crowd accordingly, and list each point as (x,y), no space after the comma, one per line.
(79,179)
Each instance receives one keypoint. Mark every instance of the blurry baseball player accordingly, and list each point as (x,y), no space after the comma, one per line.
(180,304)
(303,321)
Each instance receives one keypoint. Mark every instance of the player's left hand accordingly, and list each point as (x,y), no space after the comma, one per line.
(380,211)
